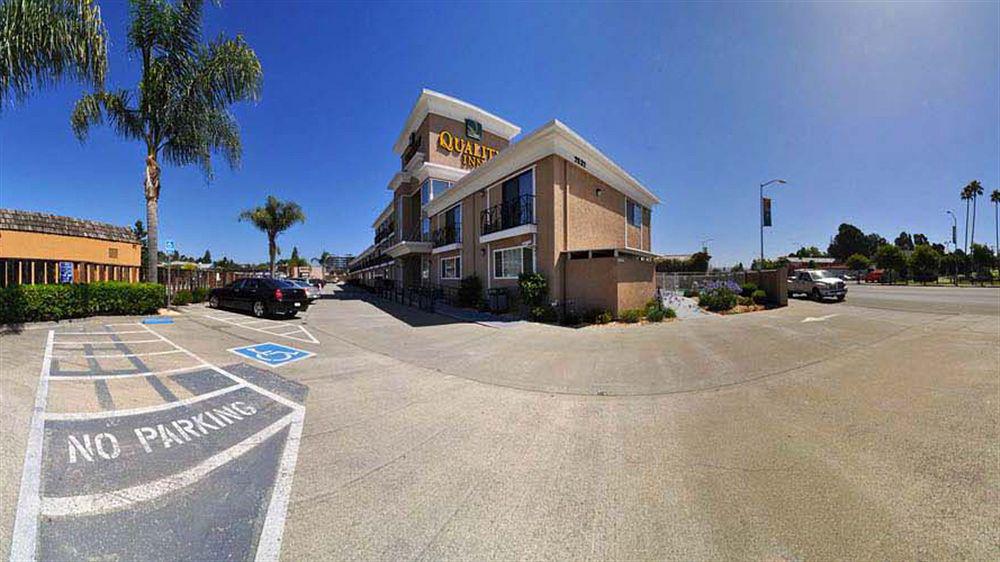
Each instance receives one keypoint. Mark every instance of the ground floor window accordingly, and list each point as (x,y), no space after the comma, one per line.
(451,268)
(511,262)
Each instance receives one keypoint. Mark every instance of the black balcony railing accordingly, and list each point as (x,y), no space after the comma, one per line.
(510,213)
(444,236)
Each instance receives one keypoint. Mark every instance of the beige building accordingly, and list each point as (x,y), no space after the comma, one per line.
(43,248)
(468,200)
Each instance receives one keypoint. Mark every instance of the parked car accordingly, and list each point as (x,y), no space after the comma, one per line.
(818,284)
(316,282)
(311,290)
(261,297)
(874,276)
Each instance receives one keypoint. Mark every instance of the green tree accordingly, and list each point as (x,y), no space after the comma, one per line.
(966,196)
(47,41)
(924,263)
(858,262)
(180,108)
(273,218)
(920,240)
(848,240)
(891,258)
(206,258)
(810,252)
(873,242)
(296,260)
(982,260)
(904,242)
(322,259)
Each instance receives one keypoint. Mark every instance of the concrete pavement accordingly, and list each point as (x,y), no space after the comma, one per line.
(822,431)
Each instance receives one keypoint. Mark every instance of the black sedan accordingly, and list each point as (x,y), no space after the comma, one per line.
(261,297)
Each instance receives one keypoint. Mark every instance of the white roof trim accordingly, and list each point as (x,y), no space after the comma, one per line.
(439,172)
(552,138)
(398,180)
(447,106)
(383,215)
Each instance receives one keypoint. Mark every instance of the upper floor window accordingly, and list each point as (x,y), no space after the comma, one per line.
(453,220)
(634,212)
(518,186)
(432,187)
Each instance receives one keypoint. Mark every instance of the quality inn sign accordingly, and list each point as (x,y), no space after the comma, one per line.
(473,154)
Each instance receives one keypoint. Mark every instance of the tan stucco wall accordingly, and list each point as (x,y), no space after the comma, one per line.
(636,282)
(433,125)
(34,245)
(612,284)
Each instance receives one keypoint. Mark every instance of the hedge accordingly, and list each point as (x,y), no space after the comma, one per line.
(32,303)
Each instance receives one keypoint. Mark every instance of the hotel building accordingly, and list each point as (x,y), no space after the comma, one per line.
(469,200)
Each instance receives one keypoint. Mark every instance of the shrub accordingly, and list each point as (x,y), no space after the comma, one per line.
(32,303)
(571,318)
(545,313)
(719,296)
(747,289)
(655,314)
(199,294)
(759,296)
(597,316)
(743,301)
(631,315)
(181,298)
(690,293)
(470,291)
(670,313)
(534,289)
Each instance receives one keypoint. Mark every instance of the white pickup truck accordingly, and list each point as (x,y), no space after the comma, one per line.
(818,284)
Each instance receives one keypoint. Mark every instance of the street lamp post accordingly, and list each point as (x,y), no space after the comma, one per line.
(760,264)
(954,245)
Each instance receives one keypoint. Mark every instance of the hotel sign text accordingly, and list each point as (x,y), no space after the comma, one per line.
(473,153)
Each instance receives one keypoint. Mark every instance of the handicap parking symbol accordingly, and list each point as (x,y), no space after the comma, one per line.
(272,354)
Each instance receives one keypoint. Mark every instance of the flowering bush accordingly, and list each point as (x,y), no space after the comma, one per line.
(719,296)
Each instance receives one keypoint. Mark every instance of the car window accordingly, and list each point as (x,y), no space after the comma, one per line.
(238,284)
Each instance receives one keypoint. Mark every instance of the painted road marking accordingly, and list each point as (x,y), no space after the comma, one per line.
(117,355)
(272,354)
(216,467)
(819,318)
(299,334)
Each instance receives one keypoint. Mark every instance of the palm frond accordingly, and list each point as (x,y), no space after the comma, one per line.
(45,41)
(92,109)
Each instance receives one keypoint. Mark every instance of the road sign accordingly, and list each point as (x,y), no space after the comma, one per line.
(272,354)
(169,247)
(65,272)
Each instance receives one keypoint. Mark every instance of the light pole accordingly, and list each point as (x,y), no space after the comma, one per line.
(954,245)
(760,264)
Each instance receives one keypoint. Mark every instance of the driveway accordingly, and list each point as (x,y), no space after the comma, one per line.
(821,431)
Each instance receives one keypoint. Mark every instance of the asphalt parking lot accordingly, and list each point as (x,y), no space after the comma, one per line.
(365,430)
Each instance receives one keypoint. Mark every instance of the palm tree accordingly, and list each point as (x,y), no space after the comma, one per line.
(322,259)
(995,199)
(273,218)
(45,41)
(967,197)
(975,189)
(180,107)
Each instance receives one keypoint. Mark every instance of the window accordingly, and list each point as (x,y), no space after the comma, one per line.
(634,212)
(453,220)
(518,186)
(451,268)
(430,188)
(425,229)
(425,268)
(511,262)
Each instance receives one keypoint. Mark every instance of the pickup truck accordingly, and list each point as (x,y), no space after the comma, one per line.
(818,284)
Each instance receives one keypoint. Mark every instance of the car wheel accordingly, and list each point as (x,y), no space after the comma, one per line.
(258,309)
(213,302)
(840,297)
(291,314)
(816,296)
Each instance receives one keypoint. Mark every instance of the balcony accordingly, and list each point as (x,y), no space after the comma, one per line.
(510,214)
(412,243)
(445,236)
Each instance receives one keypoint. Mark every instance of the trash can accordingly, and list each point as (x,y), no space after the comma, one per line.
(499,300)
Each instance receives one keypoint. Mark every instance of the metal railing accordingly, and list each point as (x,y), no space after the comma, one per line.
(692,281)
(509,214)
(444,236)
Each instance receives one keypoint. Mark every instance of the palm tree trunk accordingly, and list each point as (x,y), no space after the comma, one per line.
(271,251)
(996,225)
(966,244)
(972,237)
(152,192)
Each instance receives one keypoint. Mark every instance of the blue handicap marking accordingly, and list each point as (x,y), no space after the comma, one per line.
(158,321)
(272,354)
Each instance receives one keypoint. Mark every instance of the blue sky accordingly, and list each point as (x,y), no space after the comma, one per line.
(877,114)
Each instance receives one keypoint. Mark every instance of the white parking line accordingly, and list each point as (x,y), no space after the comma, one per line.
(119,499)
(306,336)
(115,355)
(143,410)
(99,333)
(112,342)
(25,535)
(128,375)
